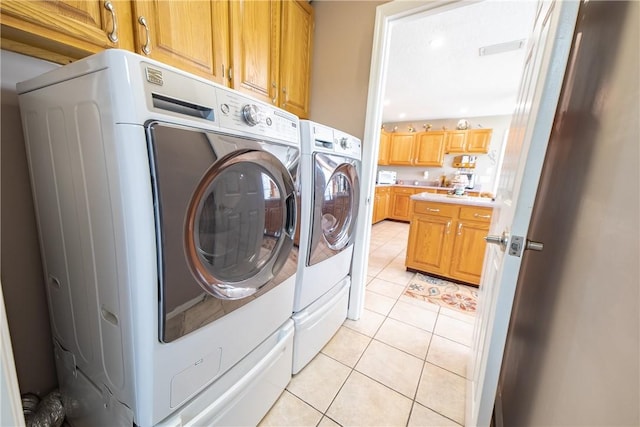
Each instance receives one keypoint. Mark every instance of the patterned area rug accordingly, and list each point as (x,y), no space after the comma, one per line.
(442,292)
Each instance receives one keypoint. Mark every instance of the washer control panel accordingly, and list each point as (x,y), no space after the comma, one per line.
(250,116)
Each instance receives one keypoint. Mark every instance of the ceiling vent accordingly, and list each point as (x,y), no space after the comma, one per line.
(501,47)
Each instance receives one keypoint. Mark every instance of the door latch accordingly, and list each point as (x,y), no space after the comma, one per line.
(516,245)
(519,244)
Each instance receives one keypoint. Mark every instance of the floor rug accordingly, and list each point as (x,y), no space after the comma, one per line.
(444,293)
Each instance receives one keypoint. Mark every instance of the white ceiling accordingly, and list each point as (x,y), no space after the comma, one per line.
(427,81)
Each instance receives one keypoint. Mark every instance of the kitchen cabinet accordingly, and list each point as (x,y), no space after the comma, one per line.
(190,35)
(468,141)
(271,51)
(401,148)
(381,204)
(383,152)
(65,30)
(401,202)
(416,149)
(430,239)
(478,140)
(448,240)
(467,254)
(429,148)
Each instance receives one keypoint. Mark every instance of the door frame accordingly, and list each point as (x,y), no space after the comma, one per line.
(386,16)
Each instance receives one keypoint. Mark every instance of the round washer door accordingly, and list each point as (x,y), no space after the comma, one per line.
(240,224)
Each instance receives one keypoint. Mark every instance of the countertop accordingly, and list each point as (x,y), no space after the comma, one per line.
(458,200)
(427,187)
(415,186)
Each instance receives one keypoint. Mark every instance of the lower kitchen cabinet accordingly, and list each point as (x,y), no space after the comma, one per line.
(401,202)
(429,244)
(448,240)
(381,204)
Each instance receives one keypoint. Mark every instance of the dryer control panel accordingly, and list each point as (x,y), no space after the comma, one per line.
(347,145)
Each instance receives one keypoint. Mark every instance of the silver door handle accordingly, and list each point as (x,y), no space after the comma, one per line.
(113,35)
(498,240)
(516,246)
(146,47)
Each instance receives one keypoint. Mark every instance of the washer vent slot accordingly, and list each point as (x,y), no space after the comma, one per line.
(182,107)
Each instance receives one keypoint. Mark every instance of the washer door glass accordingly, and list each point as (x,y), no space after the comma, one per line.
(240,224)
(339,207)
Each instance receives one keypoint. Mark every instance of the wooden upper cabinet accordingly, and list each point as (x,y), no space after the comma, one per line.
(64,30)
(456,141)
(401,148)
(259,47)
(383,152)
(190,35)
(478,140)
(429,148)
(255,48)
(468,141)
(295,51)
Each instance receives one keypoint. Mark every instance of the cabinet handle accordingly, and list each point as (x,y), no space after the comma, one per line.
(286,98)
(433,210)
(477,215)
(113,35)
(146,47)
(275,87)
(459,229)
(448,227)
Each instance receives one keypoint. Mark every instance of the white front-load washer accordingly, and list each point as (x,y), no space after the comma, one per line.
(330,166)
(167,213)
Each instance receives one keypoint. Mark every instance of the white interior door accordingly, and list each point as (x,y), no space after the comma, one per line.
(540,86)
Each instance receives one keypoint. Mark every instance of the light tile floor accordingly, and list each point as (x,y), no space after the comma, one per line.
(402,364)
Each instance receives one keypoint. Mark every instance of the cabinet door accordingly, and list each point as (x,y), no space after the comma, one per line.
(479,140)
(255,46)
(295,56)
(376,206)
(401,148)
(456,141)
(401,203)
(385,202)
(190,35)
(468,251)
(72,29)
(429,148)
(383,153)
(429,244)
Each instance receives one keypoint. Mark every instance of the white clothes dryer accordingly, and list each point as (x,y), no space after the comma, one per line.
(330,169)
(166,206)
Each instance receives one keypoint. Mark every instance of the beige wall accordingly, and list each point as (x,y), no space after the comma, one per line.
(572,355)
(22,277)
(342,45)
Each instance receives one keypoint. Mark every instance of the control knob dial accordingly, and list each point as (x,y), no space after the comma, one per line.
(344,143)
(251,114)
